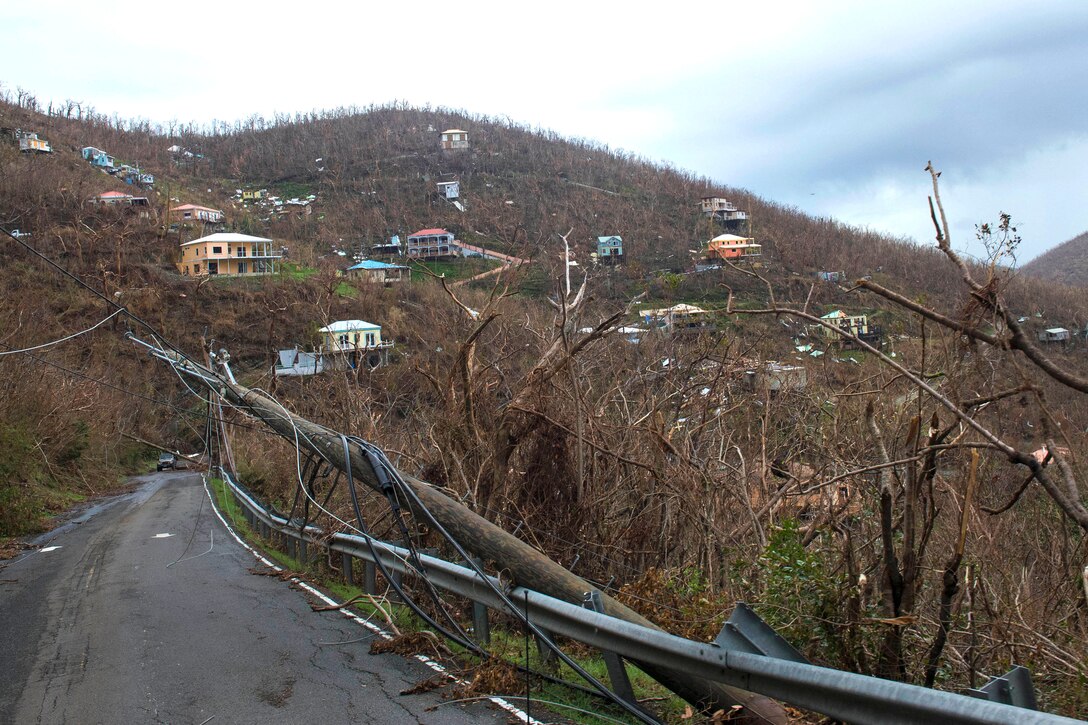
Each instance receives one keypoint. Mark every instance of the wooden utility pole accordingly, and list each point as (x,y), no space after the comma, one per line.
(527,566)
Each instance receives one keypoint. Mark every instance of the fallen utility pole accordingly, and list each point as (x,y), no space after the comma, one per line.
(516,559)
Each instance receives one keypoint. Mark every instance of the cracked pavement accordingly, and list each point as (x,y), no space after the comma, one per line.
(102,630)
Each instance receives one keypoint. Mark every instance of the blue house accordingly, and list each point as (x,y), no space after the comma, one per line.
(371,270)
(609,250)
(98,157)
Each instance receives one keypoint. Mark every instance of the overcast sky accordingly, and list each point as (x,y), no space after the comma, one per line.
(832,107)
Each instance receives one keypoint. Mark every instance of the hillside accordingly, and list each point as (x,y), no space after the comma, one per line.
(751,457)
(1066,263)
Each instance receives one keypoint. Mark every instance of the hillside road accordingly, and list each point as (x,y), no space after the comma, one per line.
(98,625)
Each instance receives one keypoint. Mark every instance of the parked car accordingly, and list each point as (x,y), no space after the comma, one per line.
(166,460)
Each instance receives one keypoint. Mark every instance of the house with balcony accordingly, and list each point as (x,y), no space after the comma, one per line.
(30,143)
(97,157)
(432,244)
(454,139)
(371,270)
(678,318)
(722,210)
(733,248)
(196,213)
(856,325)
(227,253)
(609,250)
(119,198)
(347,344)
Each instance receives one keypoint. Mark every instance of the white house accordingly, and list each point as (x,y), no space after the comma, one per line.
(346,343)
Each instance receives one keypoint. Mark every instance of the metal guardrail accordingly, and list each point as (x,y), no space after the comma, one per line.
(841,695)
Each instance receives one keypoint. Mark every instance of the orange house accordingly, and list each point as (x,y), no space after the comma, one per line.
(193,212)
(730,246)
(228,254)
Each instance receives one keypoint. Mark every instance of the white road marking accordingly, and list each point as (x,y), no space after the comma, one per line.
(512,709)
(49,548)
(162,536)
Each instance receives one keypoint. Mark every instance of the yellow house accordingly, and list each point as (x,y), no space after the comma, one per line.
(228,254)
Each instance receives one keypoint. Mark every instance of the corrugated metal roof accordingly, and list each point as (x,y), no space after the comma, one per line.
(349,326)
(195,207)
(226,238)
(429,232)
(375,264)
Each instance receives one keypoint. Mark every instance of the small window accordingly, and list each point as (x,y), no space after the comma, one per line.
(217,250)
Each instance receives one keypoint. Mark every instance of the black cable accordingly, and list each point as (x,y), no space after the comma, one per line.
(126,391)
(96,293)
(537,632)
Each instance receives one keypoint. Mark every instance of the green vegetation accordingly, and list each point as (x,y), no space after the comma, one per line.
(455,269)
(290,270)
(292,190)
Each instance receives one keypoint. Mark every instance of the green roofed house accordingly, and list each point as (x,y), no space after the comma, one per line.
(347,343)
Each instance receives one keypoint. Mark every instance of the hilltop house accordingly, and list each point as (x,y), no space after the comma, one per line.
(132,175)
(678,318)
(30,143)
(432,244)
(453,139)
(119,198)
(731,247)
(228,254)
(609,249)
(449,190)
(393,247)
(722,209)
(347,343)
(1054,334)
(370,270)
(193,212)
(97,157)
(857,325)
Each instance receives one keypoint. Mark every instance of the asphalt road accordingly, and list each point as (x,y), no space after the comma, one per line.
(95,627)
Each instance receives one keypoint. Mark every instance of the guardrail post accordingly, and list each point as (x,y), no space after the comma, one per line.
(617,673)
(481,625)
(370,578)
(346,562)
(745,631)
(1014,688)
(303,551)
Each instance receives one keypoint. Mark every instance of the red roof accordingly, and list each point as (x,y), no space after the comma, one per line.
(188,207)
(428,232)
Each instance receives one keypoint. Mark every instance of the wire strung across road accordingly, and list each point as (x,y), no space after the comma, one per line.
(67,338)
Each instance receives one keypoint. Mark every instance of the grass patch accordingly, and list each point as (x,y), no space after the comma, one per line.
(289,270)
(346,290)
(459,268)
